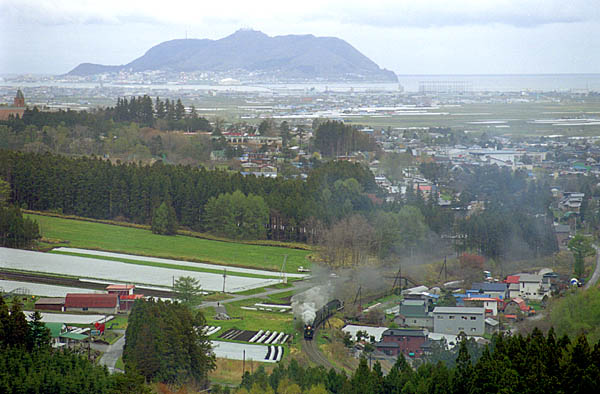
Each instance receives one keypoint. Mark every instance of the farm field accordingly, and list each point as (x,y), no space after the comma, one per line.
(90,235)
(498,118)
(170,263)
(42,289)
(23,260)
(251,320)
(68,318)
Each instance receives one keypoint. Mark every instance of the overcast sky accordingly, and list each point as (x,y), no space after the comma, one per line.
(405,36)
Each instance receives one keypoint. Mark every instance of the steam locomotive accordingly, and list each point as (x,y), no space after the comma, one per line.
(327,310)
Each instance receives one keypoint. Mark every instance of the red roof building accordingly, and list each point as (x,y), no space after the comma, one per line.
(126,301)
(100,303)
(120,290)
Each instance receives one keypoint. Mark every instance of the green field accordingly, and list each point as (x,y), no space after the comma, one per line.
(90,235)
(250,320)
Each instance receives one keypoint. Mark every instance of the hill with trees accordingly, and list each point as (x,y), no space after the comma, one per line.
(290,57)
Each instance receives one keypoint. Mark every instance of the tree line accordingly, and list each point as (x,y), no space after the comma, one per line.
(15,230)
(135,129)
(97,188)
(514,224)
(336,139)
(513,364)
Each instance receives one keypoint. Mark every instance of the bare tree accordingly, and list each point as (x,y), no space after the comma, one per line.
(348,243)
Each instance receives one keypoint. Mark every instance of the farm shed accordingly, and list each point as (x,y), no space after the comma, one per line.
(98,303)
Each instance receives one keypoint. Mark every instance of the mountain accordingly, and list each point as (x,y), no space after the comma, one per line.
(290,57)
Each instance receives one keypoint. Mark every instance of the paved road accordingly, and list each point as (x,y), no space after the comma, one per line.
(596,275)
(112,354)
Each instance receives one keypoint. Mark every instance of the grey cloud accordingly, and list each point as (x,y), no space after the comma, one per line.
(420,15)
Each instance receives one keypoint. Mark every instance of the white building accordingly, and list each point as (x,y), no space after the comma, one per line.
(533,287)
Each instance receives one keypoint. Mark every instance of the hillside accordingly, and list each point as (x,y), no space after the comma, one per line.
(290,57)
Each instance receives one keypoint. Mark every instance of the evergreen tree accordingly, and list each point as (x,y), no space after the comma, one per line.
(39,335)
(188,290)
(4,323)
(179,110)
(159,108)
(581,247)
(164,220)
(17,333)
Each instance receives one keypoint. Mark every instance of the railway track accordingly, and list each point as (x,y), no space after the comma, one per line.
(314,354)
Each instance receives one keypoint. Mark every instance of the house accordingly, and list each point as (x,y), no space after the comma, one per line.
(490,304)
(533,287)
(454,320)
(571,201)
(414,313)
(50,304)
(408,342)
(513,286)
(495,290)
(517,305)
(562,232)
(98,303)
(492,326)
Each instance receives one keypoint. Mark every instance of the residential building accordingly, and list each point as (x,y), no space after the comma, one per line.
(492,326)
(513,286)
(495,290)
(454,320)
(408,342)
(490,304)
(533,287)
(414,313)
(517,305)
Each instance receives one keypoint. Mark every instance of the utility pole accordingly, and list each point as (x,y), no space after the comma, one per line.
(244,364)
(283,278)
(224,277)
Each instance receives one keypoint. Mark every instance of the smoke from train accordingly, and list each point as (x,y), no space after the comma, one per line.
(306,304)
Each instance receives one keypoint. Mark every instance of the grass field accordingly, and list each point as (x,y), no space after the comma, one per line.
(250,320)
(229,372)
(89,235)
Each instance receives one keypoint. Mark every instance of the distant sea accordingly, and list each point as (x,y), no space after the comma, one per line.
(511,83)
(408,83)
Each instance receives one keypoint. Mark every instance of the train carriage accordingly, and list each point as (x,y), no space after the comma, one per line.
(322,314)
